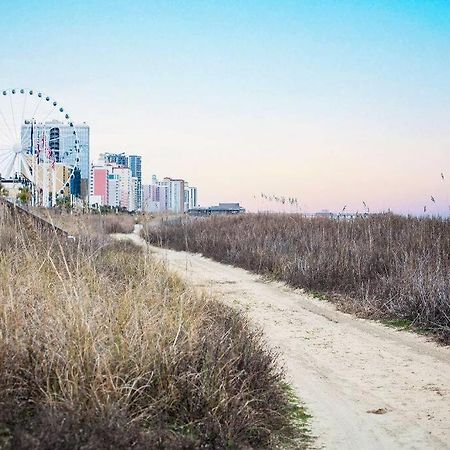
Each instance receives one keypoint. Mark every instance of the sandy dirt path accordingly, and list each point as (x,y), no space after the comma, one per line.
(367,386)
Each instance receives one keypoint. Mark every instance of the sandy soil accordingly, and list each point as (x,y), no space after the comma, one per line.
(367,386)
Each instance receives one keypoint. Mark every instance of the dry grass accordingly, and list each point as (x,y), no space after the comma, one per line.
(101,347)
(383,266)
(89,223)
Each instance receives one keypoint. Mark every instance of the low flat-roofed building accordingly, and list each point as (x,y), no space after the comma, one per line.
(221,208)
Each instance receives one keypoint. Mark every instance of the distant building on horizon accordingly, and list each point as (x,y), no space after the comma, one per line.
(175,194)
(220,209)
(117,179)
(190,197)
(169,195)
(151,198)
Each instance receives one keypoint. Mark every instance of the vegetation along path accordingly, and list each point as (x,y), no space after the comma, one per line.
(366,385)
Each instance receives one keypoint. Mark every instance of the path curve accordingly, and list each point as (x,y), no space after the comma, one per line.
(367,386)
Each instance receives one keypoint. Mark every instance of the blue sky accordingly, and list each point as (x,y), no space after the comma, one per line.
(331,102)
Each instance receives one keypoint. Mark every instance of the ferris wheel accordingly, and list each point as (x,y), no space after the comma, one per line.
(39,146)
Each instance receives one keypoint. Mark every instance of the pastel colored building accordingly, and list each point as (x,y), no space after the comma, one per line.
(99,185)
(168,195)
(151,198)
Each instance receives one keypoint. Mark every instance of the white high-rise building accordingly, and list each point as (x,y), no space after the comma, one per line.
(125,182)
(190,197)
(61,139)
(114,190)
(169,195)
(175,195)
(150,198)
(164,198)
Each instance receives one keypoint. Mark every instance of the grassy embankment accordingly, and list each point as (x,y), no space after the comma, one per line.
(387,267)
(102,347)
(93,224)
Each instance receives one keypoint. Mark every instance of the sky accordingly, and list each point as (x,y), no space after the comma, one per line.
(334,103)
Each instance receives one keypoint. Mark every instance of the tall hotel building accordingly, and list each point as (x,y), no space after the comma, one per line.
(190,197)
(175,195)
(169,195)
(99,186)
(113,190)
(125,185)
(120,159)
(63,140)
(135,165)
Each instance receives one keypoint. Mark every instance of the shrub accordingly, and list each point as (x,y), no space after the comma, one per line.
(118,223)
(102,347)
(384,266)
(89,223)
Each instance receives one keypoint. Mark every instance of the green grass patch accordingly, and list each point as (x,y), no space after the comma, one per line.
(301,437)
(319,296)
(398,324)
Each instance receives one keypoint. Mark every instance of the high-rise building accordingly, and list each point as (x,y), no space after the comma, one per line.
(190,197)
(151,198)
(98,192)
(113,190)
(121,159)
(164,196)
(169,195)
(64,139)
(125,183)
(175,195)
(135,165)
(133,197)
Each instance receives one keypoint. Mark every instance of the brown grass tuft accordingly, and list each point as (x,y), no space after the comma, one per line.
(89,223)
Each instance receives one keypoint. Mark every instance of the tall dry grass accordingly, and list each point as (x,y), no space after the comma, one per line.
(383,266)
(102,347)
(88,223)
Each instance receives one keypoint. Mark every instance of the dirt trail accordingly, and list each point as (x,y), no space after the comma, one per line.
(367,386)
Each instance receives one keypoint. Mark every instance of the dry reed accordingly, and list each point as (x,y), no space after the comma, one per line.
(89,223)
(102,347)
(382,266)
